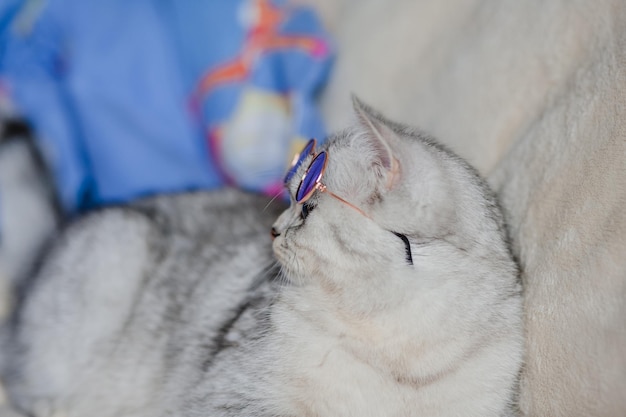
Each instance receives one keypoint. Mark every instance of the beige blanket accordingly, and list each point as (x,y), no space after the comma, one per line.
(534,94)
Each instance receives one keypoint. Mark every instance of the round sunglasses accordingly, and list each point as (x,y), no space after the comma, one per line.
(308,149)
(311,181)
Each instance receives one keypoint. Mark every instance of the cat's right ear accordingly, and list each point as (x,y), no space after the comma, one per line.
(381,137)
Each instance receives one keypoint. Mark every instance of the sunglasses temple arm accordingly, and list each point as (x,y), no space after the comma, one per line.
(322,188)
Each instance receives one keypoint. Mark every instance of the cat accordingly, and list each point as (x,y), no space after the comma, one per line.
(386,288)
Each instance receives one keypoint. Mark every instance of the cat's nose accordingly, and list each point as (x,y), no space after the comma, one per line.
(274,233)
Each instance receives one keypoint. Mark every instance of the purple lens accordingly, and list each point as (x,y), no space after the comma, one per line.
(297,160)
(311,178)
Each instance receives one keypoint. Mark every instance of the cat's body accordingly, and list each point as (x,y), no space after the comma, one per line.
(173,306)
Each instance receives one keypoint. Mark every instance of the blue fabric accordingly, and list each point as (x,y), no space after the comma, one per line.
(130,98)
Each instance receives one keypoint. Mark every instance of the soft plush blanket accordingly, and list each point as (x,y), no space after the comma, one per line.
(534,94)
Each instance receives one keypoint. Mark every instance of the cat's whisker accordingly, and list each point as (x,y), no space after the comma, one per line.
(278,194)
(283,273)
(273,269)
(297,270)
(281,277)
(269,271)
(285,276)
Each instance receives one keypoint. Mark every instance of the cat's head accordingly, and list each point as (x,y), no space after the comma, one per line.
(409,206)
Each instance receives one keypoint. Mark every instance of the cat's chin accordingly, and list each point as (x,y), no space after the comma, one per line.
(288,277)
(283,256)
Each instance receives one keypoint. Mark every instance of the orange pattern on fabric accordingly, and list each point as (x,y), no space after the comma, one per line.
(262,36)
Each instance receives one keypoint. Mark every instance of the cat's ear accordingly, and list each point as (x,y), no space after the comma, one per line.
(381,138)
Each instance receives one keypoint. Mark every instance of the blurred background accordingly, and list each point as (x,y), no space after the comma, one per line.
(106,101)
(102,102)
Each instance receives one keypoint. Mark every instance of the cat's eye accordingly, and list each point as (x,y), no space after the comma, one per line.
(306,209)
(407,247)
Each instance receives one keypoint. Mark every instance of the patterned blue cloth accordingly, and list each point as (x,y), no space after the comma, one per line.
(130,98)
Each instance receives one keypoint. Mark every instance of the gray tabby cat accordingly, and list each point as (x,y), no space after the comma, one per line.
(396,296)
